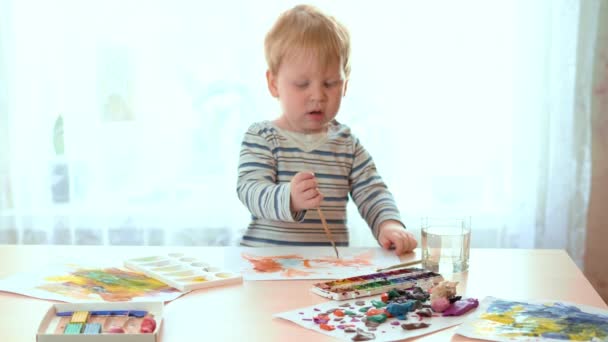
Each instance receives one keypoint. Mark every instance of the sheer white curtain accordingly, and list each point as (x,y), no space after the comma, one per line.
(468,107)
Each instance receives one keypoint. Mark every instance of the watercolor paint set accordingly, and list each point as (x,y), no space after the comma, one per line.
(377,283)
(101,321)
(183,272)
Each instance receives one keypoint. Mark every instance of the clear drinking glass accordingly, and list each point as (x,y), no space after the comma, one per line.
(446,244)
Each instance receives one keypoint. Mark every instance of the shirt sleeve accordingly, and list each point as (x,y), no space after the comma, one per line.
(372,197)
(257,186)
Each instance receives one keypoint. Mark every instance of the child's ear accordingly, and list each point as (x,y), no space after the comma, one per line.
(272,83)
(345,88)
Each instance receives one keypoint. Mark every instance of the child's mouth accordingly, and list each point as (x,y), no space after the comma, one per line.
(316,114)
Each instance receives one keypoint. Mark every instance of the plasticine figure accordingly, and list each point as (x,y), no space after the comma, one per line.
(445,289)
(441,295)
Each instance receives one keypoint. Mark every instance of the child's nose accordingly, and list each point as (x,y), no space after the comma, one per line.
(317,93)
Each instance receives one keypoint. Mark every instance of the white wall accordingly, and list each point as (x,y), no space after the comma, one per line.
(4,149)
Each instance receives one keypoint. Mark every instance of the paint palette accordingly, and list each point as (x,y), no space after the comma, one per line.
(377,283)
(183,272)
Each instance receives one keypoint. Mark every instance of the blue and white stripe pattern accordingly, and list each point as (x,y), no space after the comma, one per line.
(269,160)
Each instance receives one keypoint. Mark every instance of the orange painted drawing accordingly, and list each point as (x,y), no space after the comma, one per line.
(295,265)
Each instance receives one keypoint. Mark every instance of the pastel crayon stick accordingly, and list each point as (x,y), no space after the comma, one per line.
(57,325)
(80,317)
(134,313)
(138,313)
(73,328)
(97,319)
(92,328)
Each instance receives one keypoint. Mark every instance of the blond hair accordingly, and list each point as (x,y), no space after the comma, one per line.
(306,27)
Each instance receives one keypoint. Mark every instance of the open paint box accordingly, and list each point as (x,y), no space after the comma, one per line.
(101,321)
(377,283)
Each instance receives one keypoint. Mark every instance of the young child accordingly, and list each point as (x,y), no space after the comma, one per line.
(305,159)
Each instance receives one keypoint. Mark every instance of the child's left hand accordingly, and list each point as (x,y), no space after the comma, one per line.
(393,235)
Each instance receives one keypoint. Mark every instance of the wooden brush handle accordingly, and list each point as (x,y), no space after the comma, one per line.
(328,232)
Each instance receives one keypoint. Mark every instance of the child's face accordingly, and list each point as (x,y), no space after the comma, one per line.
(310,93)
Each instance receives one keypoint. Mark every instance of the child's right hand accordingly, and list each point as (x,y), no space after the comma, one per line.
(304,192)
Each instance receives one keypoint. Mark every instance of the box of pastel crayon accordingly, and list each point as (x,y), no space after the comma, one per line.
(102,321)
(377,283)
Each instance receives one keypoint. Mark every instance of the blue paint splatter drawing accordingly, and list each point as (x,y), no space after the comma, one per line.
(504,320)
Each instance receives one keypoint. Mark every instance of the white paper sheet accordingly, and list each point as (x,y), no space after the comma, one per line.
(292,263)
(390,330)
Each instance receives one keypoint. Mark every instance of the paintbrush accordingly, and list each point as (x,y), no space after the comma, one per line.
(328,232)
(405,264)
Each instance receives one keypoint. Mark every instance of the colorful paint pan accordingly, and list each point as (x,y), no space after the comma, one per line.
(181,273)
(377,283)
(198,279)
(148,259)
(171,268)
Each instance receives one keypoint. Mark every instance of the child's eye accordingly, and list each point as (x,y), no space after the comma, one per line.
(330,84)
(301,85)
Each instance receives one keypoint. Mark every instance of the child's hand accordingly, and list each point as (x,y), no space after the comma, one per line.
(392,234)
(304,192)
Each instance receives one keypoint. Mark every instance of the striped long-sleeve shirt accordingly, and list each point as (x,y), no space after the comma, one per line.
(268,161)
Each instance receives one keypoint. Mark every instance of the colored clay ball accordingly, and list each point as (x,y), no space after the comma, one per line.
(327,327)
(400,310)
(373,311)
(461,307)
(148,325)
(378,304)
(116,330)
(440,304)
(321,319)
(425,312)
(379,318)
(413,326)
(363,335)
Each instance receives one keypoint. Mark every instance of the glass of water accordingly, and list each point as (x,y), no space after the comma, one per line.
(446,244)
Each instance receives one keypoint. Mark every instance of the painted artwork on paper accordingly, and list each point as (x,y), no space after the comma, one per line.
(290,263)
(505,320)
(76,283)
